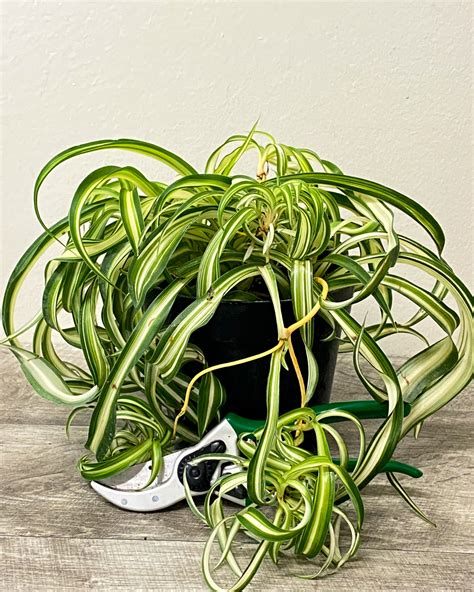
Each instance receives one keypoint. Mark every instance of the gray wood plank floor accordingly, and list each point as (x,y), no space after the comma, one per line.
(57,534)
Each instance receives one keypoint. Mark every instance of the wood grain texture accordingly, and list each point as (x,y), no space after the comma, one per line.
(57,534)
(77,564)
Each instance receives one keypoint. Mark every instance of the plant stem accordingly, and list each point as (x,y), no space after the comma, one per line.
(286,339)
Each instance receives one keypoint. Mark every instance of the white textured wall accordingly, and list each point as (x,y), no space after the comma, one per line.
(384,89)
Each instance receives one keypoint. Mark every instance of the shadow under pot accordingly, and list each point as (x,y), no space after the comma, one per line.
(240,329)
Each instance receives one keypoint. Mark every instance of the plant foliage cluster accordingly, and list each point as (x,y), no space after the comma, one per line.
(301,229)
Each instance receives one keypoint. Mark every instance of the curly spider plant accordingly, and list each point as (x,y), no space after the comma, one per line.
(303,230)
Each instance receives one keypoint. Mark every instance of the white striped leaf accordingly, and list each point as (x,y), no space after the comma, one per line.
(155,255)
(211,397)
(102,425)
(209,268)
(131,212)
(172,346)
(302,287)
(47,382)
(256,472)
(90,341)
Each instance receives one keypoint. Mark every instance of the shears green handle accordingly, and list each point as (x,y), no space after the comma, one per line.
(391,466)
(361,409)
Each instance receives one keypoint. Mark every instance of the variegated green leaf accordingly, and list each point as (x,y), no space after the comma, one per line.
(302,287)
(209,268)
(211,397)
(47,382)
(170,351)
(131,213)
(256,472)
(91,344)
(102,424)
(155,255)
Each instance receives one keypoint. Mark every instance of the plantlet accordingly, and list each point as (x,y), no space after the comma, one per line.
(300,230)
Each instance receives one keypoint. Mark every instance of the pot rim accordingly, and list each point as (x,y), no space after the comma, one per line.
(349,290)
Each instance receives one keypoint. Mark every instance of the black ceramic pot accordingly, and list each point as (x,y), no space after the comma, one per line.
(240,329)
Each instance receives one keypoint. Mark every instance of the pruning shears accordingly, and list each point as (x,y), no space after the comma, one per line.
(128,490)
